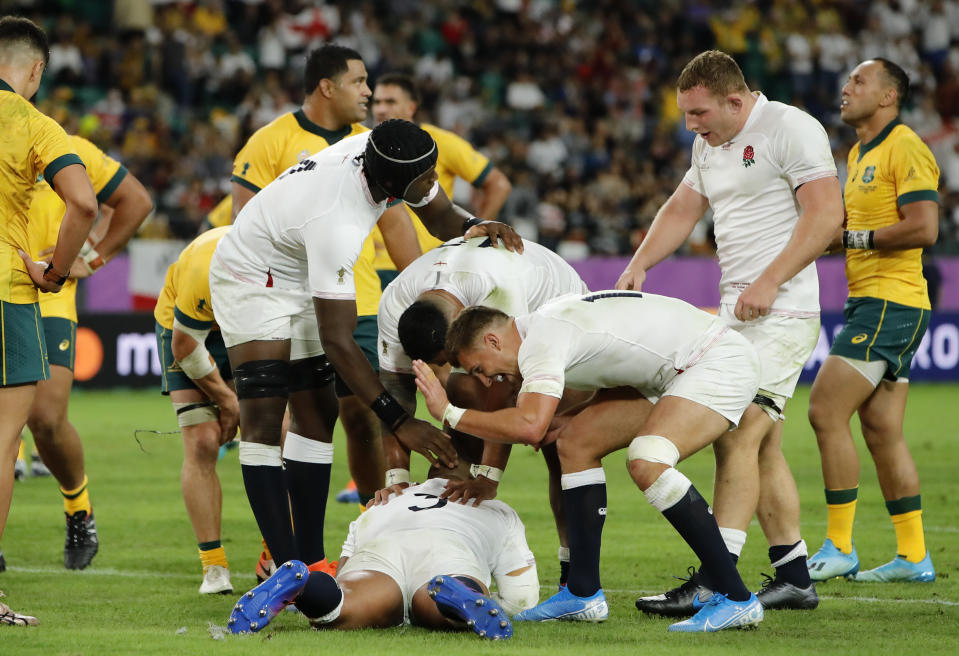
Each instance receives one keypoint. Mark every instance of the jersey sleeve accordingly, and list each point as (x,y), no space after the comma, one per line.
(254,166)
(105,173)
(52,149)
(332,257)
(804,153)
(514,552)
(541,359)
(192,307)
(465,161)
(693,179)
(915,170)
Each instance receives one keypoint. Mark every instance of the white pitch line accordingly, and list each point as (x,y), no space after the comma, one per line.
(870,600)
(185,576)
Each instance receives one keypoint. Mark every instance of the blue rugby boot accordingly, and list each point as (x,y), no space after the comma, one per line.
(900,570)
(564,605)
(720,613)
(482,614)
(259,606)
(829,562)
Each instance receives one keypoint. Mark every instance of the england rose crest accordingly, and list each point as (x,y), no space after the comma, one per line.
(749,157)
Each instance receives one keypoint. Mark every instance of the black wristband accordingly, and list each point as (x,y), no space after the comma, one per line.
(58,281)
(470,222)
(389,411)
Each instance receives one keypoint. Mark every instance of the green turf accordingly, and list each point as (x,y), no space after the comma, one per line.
(139,596)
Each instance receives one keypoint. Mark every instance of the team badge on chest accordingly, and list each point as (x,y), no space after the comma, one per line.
(749,156)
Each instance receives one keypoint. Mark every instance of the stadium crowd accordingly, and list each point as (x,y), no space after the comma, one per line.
(573,101)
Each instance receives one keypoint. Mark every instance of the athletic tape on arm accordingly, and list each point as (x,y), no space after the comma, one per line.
(198,364)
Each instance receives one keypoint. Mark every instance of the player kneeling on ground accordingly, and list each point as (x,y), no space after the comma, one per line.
(417,559)
(705,376)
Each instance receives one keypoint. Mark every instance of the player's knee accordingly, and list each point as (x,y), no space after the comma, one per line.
(311,373)
(259,379)
(43,424)
(653,448)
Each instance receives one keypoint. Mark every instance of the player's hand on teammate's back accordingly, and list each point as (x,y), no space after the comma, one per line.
(497,231)
(756,300)
(631,280)
(476,489)
(381,496)
(427,440)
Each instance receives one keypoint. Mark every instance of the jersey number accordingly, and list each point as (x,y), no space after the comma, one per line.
(590,298)
(439,502)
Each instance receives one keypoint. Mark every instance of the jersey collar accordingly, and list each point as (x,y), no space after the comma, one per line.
(761,102)
(331,136)
(865,148)
(5,87)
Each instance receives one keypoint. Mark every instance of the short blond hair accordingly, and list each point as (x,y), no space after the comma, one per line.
(714,70)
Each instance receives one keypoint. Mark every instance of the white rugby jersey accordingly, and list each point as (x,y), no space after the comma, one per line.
(305,229)
(750,183)
(612,339)
(476,274)
(492,529)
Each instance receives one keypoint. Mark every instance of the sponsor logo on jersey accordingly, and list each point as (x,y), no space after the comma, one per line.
(339,276)
(749,156)
(64,345)
(302,155)
(201,304)
(860,338)
(869,174)
(385,346)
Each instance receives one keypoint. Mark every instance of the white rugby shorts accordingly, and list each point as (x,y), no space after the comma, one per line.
(414,558)
(724,378)
(246,312)
(784,343)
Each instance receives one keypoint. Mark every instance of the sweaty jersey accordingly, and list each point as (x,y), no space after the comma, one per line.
(34,145)
(46,214)
(612,339)
(475,274)
(305,229)
(186,288)
(750,182)
(492,529)
(892,170)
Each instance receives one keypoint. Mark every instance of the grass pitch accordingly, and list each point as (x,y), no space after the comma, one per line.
(140,593)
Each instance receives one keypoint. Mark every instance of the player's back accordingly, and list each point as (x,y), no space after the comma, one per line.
(486,527)
(613,338)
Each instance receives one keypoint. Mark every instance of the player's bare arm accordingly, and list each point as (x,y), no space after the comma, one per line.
(918,228)
(131,204)
(493,194)
(399,235)
(73,186)
(241,196)
(673,224)
(821,214)
(525,424)
(445,220)
(337,320)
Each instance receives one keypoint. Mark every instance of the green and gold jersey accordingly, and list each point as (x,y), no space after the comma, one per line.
(46,214)
(892,170)
(277,146)
(222,214)
(34,145)
(186,288)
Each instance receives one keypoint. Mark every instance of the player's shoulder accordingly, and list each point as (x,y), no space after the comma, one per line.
(903,135)
(789,121)
(280,128)
(441,135)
